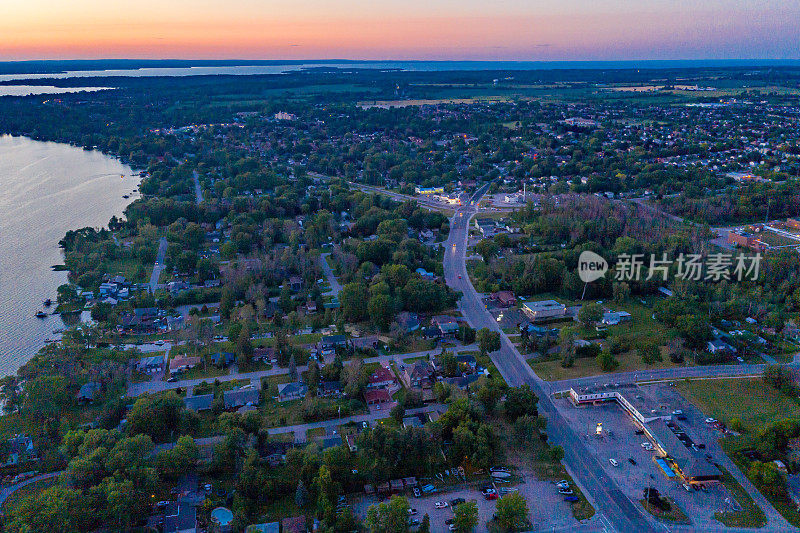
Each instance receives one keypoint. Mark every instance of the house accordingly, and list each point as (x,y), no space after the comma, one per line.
(412,422)
(199,403)
(382,377)
(420,374)
(408,322)
(183,363)
(329,389)
(292,391)
(88,392)
(377,396)
(295,524)
(447,325)
(240,397)
(329,343)
(266,355)
(717,346)
(295,283)
(486,226)
(504,298)
(612,318)
(222,359)
(468,360)
(369,342)
(544,310)
(150,365)
(20,450)
(462,382)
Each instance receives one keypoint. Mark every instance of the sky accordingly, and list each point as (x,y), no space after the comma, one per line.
(530,30)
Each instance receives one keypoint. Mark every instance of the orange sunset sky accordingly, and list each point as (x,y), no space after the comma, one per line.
(413,29)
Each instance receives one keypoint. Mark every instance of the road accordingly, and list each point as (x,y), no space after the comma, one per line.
(158,267)
(11,489)
(336,287)
(198,190)
(609,501)
(136,389)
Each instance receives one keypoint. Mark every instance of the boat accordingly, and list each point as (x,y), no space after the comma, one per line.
(40,314)
(125,196)
(47,303)
(501,475)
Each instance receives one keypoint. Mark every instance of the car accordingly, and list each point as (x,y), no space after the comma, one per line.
(417,493)
(413,522)
(499,469)
(687,487)
(640,432)
(565,491)
(440,505)
(613,462)
(341,499)
(571,498)
(378,407)
(365,425)
(412,511)
(740,359)
(162,504)
(491,495)
(457,501)
(452,527)
(710,420)
(646,445)
(172,379)
(459,276)
(677,412)
(449,521)
(632,461)
(208,488)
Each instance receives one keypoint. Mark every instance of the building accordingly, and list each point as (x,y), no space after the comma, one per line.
(329,343)
(447,325)
(377,396)
(719,346)
(744,239)
(612,318)
(150,365)
(199,403)
(292,391)
(382,378)
(504,298)
(271,527)
(420,374)
(544,310)
(183,363)
(329,389)
(429,190)
(408,322)
(687,463)
(266,355)
(241,397)
(88,392)
(351,442)
(486,226)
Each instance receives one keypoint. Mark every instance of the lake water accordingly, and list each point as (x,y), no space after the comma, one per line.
(25,90)
(45,190)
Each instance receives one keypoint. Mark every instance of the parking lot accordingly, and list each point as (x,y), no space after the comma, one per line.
(618,440)
(547,507)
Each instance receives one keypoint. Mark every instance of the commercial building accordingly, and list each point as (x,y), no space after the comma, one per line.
(746,240)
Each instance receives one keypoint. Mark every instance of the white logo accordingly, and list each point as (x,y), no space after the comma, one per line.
(591,266)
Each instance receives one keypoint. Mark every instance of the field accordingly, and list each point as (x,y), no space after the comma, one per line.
(747,400)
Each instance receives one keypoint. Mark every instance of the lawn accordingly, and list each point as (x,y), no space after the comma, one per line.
(748,400)
(675,514)
(750,515)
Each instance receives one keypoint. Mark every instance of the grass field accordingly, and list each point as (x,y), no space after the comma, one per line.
(748,400)
(750,515)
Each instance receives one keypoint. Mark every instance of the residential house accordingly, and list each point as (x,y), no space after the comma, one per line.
(329,389)
(504,298)
(467,360)
(377,396)
(412,422)
(88,392)
(241,397)
(271,527)
(420,374)
(295,283)
(292,391)
(199,403)
(612,318)
(718,346)
(183,363)
(447,325)
(408,322)
(222,359)
(382,378)
(329,343)
(266,355)
(368,342)
(20,450)
(462,382)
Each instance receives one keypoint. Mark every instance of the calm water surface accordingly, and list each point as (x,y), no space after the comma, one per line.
(45,190)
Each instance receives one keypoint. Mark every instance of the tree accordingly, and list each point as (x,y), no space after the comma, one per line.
(380,311)
(621,291)
(397,413)
(556,453)
(567,346)
(512,512)
(590,314)
(354,299)
(301,494)
(292,368)
(181,459)
(607,361)
(521,401)
(649,353)
(488,340)
(57,508)
(389,517)
(487,249)
(425,525)
(465,516)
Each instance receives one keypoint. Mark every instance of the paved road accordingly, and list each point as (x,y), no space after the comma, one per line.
(158,267)
(198,190)
(607,498)
(336,287)
(135,389)
(11,489)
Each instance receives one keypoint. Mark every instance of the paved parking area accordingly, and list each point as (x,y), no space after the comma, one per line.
(620,442)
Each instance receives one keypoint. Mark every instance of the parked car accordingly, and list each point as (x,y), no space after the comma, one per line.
(417,493)
(613,462)
(571,498)
(412,511)
(457,501)
(440,505)
(710,420)
(632,461)
(565,491)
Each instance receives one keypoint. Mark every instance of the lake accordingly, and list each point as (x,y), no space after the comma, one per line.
(46,189)
(26,90)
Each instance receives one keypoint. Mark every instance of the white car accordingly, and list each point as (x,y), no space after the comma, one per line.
(710,420)
(613,462)
(440,505)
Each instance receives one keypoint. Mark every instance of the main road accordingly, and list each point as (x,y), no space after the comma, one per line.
(610,501)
